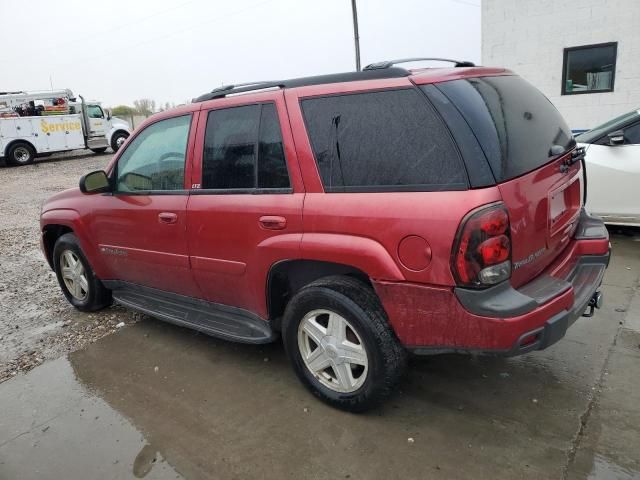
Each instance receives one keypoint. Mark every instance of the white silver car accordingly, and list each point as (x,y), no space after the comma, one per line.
(613,169)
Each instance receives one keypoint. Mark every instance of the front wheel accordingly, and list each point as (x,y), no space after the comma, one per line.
(76,278)
(118,139)
(338,339)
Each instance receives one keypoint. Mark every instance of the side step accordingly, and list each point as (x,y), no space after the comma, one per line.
(229,323)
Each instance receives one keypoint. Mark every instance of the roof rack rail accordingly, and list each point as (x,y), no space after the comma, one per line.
(391,63)
(225,90)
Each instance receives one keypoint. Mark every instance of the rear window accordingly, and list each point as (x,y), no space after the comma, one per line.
(381,141)
(516,125)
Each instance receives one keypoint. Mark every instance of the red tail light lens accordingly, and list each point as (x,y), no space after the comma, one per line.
(482,254)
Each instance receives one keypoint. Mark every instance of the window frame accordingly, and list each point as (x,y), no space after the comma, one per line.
(386,188)
(565,59)
(113,176)
(251,190)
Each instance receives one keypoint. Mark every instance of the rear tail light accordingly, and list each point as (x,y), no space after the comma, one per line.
(482,254)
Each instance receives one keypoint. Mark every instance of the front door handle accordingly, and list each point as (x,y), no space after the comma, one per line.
(167,218)
(273,222)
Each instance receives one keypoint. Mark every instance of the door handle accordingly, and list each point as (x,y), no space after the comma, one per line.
(273,222)
(167,218)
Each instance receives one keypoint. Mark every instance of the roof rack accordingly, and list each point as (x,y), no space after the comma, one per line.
(391,63)
(225,90)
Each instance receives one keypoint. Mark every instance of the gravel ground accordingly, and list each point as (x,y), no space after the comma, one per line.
(36,322)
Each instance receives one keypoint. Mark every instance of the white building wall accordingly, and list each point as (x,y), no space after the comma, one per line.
(529,37)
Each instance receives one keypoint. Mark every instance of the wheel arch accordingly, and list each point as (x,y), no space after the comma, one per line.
(57,222)
(9,145)
(50,235)
(286,277)
(116,131)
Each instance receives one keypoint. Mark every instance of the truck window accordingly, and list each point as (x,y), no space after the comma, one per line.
(154,160)
(243,149)
(94,111)
(380,141)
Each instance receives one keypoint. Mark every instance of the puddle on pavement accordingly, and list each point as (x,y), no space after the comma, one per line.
(604,469)
(51,427)
(213,408)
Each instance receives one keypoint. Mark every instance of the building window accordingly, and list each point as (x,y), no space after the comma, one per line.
(589,68)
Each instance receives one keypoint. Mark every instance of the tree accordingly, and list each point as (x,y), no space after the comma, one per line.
(122,111)
(145,106)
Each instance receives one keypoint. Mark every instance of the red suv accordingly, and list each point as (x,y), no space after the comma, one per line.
(360,216)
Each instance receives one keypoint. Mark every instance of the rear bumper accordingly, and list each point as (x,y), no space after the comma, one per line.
(502,320)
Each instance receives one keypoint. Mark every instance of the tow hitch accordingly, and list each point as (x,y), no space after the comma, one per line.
(595,302)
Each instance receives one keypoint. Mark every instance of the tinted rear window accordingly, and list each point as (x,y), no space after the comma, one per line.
(515,123)
(386,140)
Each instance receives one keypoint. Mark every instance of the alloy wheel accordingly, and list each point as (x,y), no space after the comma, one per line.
(332,351)
(74,275)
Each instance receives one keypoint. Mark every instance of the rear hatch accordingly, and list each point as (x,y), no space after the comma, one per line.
(530,150)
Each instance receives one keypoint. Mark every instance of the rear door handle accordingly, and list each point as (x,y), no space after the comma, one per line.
(167,218)
(273,222)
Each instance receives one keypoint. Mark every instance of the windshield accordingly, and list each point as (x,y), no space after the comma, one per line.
(612,125)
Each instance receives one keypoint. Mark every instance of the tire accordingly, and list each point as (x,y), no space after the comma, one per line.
(96,295)
(117,140)
(99,150)
(367,327)
(20,153)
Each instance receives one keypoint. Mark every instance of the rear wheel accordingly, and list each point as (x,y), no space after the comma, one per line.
(20,154)
(340,344)
(99,150)
(76,278)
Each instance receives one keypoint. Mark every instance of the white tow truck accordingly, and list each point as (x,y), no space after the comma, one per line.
(40,123)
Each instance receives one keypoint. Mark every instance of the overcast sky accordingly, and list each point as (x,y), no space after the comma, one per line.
(120,50)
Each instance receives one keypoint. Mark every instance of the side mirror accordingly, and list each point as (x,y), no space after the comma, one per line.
(616,138)
(108,114)
(95,182)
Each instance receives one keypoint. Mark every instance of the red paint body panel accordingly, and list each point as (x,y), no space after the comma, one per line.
(527,199)
(424,315)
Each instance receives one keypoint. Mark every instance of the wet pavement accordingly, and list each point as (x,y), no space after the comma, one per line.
(152,400)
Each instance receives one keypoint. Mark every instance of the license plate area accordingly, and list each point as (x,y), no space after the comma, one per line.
(564,206)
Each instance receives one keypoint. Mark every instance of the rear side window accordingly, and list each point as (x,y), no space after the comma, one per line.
(516,125)
(243,149)
(380,141)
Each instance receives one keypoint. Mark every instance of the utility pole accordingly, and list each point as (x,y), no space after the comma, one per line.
(356,37)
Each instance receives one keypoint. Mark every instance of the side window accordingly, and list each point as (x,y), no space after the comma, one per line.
(243,149)
(94,111)
(388,140)
(632,134)
(155,159)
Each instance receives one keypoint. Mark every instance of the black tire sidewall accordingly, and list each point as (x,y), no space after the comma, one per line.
(114,141)
(94,300)
(314,298)
(11,158)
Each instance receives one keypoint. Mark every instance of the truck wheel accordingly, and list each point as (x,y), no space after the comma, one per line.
(338,339)
(118,139)
(20,154)
(99,150)
(76,278)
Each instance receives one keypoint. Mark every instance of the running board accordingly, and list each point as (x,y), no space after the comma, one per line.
(229,323)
